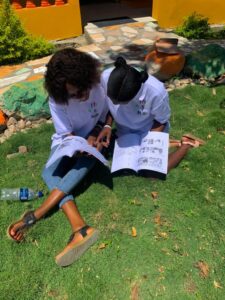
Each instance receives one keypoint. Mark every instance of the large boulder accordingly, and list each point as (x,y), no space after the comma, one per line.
(209,62)
(27,99)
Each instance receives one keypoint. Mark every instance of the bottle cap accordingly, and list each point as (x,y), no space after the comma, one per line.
(40,194)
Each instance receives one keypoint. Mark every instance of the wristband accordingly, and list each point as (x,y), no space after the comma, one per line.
(107,126)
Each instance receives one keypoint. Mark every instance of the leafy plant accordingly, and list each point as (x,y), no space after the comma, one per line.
(220,34)
(16,45)
(195,26)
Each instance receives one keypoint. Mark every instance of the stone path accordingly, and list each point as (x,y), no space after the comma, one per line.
(133,40)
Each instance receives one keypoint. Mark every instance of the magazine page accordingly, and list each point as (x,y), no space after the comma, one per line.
(153,152)
(72,144)
(125,152)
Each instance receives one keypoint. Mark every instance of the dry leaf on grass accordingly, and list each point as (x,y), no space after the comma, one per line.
(217,285)
(102,246)
(163,235)
(161,269)
(220,130)
(134,232)
(158,220)
(203,268)
(200,114)
(154,195)
(214,91)
(135,292)
(187,97)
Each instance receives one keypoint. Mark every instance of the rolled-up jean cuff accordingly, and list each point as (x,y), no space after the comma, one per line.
(66,199)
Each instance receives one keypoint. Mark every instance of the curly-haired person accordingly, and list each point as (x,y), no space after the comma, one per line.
(77,104)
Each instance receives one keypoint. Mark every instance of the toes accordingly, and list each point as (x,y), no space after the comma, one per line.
(19,237)
(15,233)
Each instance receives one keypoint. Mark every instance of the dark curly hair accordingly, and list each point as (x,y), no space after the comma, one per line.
(74,67)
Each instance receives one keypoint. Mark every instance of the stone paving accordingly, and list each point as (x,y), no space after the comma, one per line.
(133,40)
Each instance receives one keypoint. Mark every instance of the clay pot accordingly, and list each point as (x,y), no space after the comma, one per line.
(3,121)
(164,65)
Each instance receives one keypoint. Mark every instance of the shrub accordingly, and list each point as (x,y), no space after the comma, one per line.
(195,26)
(16,45)
(220,34)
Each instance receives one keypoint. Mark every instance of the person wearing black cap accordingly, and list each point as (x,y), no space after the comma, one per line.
(139,103)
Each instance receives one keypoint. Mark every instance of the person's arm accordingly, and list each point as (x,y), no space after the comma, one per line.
(105,135)
(161,112)
(60,120)
(157,126)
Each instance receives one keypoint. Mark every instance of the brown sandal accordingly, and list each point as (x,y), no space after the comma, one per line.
(189,139)
(28,220)
(73,251)
(174,143)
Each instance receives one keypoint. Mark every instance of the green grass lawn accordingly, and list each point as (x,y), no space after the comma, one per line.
(179,250)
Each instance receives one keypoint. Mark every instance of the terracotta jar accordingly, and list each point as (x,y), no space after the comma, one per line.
(166,60)
(3,121)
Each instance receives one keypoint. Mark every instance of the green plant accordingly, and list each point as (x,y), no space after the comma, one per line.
(195,26)
(16,45)
(219,34)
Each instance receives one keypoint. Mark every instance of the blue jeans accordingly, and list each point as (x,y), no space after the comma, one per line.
(66,173)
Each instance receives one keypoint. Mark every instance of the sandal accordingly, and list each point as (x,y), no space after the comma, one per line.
(174,143)
(73,251)
(28,220)
(189,139)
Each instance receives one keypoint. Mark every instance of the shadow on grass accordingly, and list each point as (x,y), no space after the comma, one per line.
(99,174)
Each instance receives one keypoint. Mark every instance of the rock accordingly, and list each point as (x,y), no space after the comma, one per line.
(12,128)
(21,124)
(40,121)
(22,149)
(28,124)
(176,82)
(12,155)
(11,121)
(2,139)
(7,133)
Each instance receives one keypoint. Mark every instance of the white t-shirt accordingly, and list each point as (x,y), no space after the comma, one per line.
(151,103)
(79,117)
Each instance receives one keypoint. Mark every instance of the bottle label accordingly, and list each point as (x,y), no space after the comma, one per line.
(24,194)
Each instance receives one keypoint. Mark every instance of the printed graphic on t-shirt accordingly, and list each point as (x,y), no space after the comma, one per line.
(93,109)
(141,107)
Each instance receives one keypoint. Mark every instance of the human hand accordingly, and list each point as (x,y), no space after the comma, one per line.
(92,141)
(105,136)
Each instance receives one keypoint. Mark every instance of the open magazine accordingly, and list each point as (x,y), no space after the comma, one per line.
(72,144)
(145,154)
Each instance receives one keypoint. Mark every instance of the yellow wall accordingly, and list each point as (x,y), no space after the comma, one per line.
(53,22)
(170,13)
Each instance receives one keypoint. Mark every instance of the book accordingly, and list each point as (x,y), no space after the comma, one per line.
(73,144)
(145,154)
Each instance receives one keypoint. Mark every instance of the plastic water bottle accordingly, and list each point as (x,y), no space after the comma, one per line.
(21,194)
